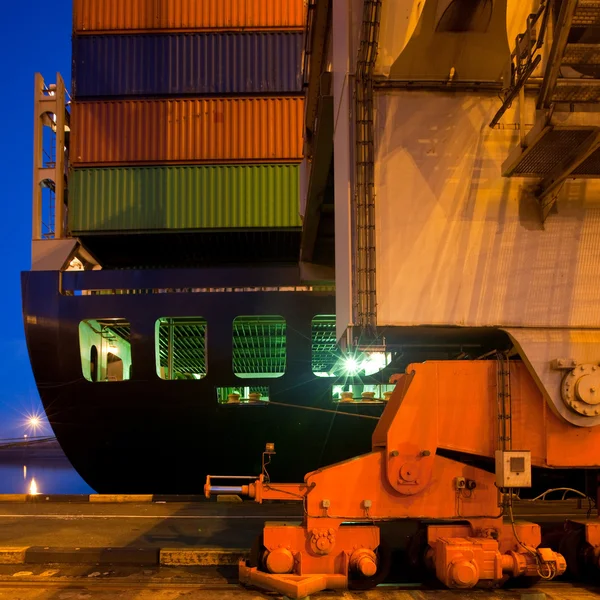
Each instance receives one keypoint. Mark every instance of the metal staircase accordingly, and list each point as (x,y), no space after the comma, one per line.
(564,142)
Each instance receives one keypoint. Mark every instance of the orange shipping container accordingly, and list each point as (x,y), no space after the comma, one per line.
(185,15)
(186,131)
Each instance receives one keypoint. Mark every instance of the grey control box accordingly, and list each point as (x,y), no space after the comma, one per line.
(513,468)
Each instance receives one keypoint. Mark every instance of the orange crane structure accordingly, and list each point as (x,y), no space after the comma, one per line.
(466,204)
(472,536)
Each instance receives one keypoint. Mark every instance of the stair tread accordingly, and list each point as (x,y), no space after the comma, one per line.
(587,13)
(581,54)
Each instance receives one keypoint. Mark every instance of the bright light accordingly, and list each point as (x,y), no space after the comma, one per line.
(351,365)
(33,488)
(33,423)
(375,362)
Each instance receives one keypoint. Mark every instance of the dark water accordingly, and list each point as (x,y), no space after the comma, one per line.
(49,467)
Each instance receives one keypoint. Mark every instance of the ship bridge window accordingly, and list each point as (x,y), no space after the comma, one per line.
(105,349)
(181,348)
(325,352)
(259,346)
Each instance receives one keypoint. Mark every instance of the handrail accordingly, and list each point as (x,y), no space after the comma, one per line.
(525,57)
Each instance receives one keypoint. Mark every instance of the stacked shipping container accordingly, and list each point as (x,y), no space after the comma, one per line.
(186,115)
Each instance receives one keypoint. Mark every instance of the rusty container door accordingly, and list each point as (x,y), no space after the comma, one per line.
(186,131)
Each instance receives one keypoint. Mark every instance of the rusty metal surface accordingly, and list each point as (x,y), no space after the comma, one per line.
(187,131)
(142,15)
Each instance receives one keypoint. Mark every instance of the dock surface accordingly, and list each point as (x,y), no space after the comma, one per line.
(65,548)
(148,525)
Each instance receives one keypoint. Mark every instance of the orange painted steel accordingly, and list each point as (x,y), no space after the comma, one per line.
(261,490)
(119,16)
(292,586)
(437,405)
(186,131)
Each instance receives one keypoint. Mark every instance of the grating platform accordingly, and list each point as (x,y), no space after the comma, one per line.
(581,54)
(554,147)
(551,149)
(577,91)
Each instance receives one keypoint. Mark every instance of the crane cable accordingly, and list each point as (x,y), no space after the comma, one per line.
(325,410)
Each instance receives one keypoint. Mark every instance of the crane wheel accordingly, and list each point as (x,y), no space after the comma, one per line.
(384,564)
(257,553)
(572,547)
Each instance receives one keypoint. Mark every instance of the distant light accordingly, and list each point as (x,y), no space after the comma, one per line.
(33,422)
(33,488)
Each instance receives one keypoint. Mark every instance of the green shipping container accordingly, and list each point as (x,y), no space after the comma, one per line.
(183,198)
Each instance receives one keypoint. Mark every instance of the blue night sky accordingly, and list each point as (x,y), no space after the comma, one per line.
(36,37)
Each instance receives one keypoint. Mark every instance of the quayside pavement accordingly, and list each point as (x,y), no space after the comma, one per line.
(132,547)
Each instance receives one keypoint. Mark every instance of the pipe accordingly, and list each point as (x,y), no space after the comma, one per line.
(363,251)
(228,489)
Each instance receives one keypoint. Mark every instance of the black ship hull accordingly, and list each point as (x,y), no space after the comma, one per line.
(149,435)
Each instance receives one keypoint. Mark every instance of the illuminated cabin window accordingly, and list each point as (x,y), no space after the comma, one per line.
(329,361)
(243,395)
(105,349)
(181,349)
(358,393)
(259,346)
(325,353)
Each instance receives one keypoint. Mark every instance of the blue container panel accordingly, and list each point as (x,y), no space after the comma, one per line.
(198,64)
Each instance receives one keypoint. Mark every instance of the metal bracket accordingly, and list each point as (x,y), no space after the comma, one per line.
(559,364)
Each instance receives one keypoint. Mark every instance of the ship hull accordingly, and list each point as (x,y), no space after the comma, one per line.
(149,435)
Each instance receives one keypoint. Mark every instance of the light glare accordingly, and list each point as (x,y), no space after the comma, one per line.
(351,365)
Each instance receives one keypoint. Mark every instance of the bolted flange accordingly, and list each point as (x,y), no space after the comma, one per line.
(580,390)
(322,541)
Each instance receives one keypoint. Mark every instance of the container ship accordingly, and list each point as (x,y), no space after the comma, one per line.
(254,213)
(175,319)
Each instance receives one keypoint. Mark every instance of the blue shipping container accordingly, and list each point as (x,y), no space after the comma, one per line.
(196,64)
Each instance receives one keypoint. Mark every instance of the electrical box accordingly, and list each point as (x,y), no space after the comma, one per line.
(513,468)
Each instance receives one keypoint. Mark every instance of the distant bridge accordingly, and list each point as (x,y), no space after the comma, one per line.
(9,443)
